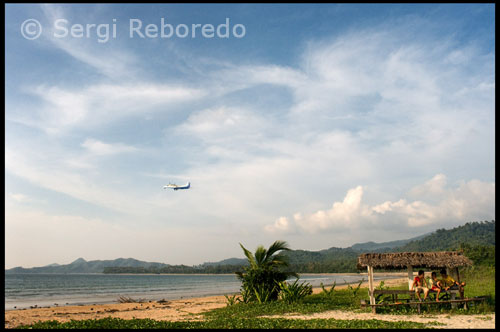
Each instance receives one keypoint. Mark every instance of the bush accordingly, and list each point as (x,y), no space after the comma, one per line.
(260,280)
(295,291)
(326,291)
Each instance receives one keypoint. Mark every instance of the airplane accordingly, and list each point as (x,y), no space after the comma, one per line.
(176,187)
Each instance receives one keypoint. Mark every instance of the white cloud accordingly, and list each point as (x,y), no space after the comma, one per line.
(470,201)
(280,225)
(112,62)
(223,123)
(19,197)
(64,109)
(435,186)
(52,175)
(97,147)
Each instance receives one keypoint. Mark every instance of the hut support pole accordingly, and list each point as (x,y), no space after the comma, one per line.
(371,287)
(410,282)
(410,276)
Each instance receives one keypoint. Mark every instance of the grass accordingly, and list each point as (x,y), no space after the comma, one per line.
(339,300)
(480,282)
(236,323)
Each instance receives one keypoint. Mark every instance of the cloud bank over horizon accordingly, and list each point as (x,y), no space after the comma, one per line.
(473,200)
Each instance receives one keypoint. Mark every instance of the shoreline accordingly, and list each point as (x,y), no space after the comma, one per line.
(112,298)
(173,310)
(207,274)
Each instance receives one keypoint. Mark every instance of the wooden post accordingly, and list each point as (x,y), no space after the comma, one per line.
(453,297)
(371,287)
(462,294)
(410,282)
(410,276)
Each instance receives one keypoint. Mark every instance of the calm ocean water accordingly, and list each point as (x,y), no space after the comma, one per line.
(25,290)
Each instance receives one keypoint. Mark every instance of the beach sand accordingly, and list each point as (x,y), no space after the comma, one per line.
(190,309)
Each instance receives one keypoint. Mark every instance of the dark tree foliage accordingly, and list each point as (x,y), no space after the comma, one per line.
(472,233)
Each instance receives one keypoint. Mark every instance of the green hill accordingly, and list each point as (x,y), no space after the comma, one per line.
(384,246)
(82,266)
(472,233)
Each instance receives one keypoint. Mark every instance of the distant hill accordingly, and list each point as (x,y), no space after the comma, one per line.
(228,261)
(82,266)
(374,246)
(476,238)
(472,233)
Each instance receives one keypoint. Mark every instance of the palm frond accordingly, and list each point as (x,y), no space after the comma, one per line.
(249,256)
(260,255)
(275,247)
(279,259)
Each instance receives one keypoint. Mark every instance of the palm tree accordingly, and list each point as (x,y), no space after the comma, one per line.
(265,271)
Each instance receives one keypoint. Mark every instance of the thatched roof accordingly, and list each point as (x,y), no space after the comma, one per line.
(401,260)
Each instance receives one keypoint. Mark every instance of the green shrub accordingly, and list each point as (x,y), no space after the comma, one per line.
(295,291)
(260,280)
(326,291)
(231,300)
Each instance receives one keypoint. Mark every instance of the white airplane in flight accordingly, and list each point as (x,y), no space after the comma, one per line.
(176,187)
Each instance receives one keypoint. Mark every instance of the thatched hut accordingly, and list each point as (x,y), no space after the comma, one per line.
(450,260)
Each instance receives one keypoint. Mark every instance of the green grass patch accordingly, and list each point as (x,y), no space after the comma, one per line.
(236,323)
(339,300)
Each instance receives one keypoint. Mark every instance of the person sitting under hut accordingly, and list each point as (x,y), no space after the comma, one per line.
(448,283)
(420,284)
(435,285)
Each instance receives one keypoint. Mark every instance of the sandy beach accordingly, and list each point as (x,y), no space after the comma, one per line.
(190,309)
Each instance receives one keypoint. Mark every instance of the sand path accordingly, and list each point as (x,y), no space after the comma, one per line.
(449,321)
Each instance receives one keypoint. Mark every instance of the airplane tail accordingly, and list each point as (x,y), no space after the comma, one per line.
(188,185)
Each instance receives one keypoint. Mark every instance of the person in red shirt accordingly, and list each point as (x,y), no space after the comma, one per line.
(435,285)
(420,285)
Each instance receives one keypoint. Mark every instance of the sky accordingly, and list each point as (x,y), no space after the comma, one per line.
(322,125)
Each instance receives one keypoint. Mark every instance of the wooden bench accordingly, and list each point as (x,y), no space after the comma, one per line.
(418,304)
(394,292)
(377,293)
(452,294)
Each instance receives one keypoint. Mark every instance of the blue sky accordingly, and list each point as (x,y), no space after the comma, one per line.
(324,125)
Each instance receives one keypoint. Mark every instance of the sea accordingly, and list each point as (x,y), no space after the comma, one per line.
(25,290)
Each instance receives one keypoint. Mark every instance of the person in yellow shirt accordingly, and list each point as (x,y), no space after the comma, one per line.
(448,283)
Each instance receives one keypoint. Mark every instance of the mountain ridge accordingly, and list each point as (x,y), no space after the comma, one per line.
(334,258)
